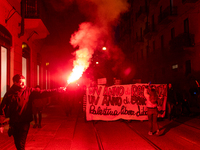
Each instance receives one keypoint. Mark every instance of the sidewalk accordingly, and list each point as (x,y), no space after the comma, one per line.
(57,133)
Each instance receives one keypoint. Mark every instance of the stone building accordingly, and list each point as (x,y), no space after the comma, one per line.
(22,31)
(162,39)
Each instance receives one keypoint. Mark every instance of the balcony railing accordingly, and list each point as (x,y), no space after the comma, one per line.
(143,11)
(139,40)
(32,9)
(154,2)
(149,30)
(182,40)
(167,13)
(34,16)
(189,1)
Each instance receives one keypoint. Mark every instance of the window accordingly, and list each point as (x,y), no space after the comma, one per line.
(5,44)
(153,23)
(26,62)
(136,17)
(142,53)
(154,46)
(24,68)
(162,42)
(136,36)
(163,71)
(172,33)
(32,10)
(38,74)
(187,67)
(141,34)
(186,26)
(171,6)
(147,50)
(175,66)
(38,68)
(3,71)
(161,12)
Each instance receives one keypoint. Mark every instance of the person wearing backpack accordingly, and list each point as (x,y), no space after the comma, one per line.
(152,111)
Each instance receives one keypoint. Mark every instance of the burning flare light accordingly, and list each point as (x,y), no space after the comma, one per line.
(80,65)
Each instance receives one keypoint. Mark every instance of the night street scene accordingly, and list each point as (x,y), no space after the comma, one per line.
(100,74)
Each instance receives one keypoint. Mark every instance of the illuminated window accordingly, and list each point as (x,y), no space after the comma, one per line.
(26,62)
(175,66)
(46,79)
(24,68)
(38,69)
(3,70)
(38,74)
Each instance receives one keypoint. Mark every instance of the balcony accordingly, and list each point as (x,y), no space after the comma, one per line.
(139,41)
(154,2)
(149,31)
(183,40)
(142,13)
(33,22)
(167,15)
(189,1)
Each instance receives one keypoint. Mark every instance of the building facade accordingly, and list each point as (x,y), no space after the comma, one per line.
(21,33)
(163,40)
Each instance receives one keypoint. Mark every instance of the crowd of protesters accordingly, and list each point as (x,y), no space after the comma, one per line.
(179,101)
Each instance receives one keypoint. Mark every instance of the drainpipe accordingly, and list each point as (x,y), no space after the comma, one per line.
(23,6)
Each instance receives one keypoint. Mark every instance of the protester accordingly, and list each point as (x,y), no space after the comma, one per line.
(37,107)
(171,102)
(70,98)
(152,112)
(183,98)
(17,105)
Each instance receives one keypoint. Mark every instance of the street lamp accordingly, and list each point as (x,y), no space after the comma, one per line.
(104,48)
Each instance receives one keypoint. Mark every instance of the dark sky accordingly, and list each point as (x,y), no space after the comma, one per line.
(62,22)
(63,19)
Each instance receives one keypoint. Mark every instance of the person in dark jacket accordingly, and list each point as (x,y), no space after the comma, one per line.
(17,105)
(171,101)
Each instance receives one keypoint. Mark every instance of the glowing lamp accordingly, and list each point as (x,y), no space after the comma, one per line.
(104,48)
(97,62)
(24,45)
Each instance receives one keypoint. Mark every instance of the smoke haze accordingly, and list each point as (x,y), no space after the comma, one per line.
(102,16)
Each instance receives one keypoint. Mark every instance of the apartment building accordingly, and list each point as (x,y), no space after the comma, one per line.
(164,40)
(21,32)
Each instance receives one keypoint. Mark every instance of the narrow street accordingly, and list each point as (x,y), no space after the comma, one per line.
(74,133)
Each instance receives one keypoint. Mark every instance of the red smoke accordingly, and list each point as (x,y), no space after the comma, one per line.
(98,31)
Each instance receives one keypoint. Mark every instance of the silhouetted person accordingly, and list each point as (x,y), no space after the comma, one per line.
(37,107)
(171,102)
(183,97)
(152,110)
(17,105)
